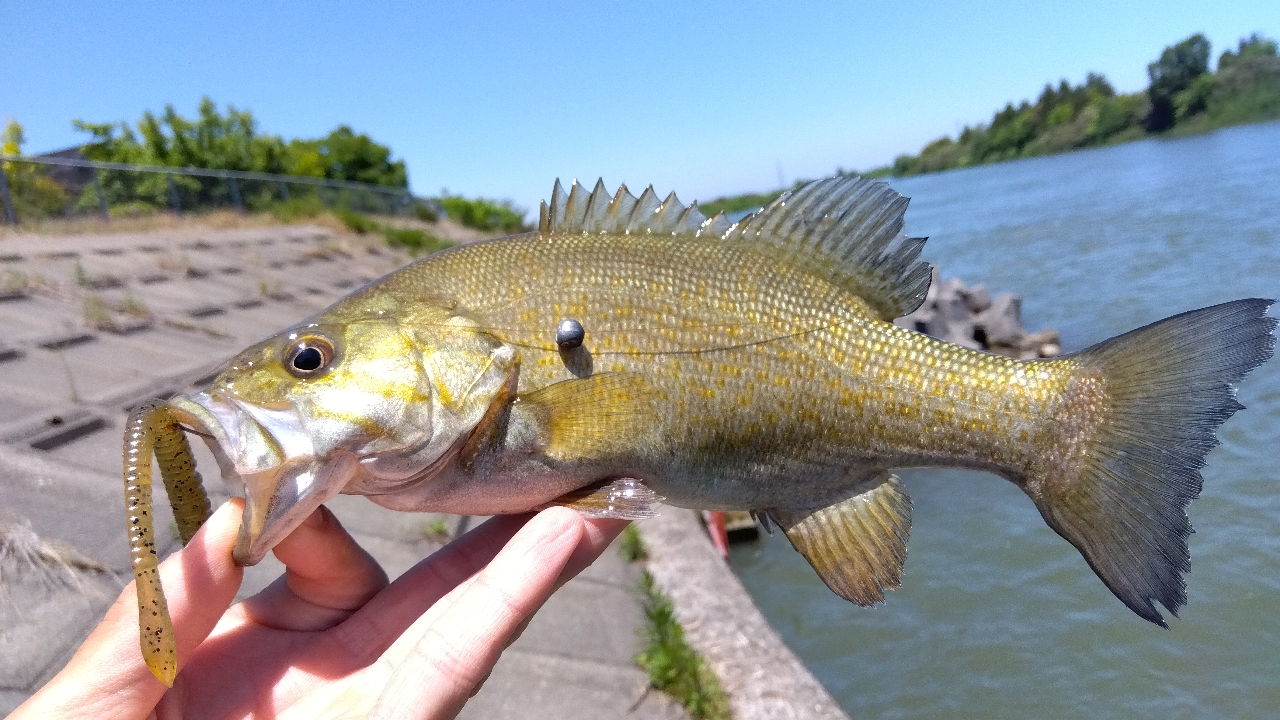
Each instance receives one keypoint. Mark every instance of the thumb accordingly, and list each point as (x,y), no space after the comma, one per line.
(107,677)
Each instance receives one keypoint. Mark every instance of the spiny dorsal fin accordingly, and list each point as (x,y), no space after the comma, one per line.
(580,212)
(858,544)
(848,231)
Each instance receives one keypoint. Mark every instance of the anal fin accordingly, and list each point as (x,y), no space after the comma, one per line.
(621,498)
(857,545)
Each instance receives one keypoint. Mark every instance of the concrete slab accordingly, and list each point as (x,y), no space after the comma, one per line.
(34,318)
(11,699)
(42,618)
(93,370)
(17,407)
(612,613)
(532,686)
(78,506)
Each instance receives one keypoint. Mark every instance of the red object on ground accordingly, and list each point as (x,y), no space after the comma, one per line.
(715,528)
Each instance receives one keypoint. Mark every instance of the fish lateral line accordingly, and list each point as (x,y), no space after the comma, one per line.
(696,351)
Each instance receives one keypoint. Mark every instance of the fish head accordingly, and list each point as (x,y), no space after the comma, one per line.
(361,399)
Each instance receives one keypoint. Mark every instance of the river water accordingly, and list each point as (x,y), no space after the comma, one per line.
(997,616)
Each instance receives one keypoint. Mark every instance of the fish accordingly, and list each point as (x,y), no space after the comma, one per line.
(631,351)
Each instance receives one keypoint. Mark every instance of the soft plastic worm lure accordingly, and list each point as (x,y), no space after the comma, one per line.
(151,431)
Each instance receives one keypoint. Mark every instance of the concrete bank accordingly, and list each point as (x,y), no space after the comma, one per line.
(762,677)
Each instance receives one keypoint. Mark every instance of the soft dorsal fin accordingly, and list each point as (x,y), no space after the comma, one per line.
(845,230)
(848,231)
(579,212)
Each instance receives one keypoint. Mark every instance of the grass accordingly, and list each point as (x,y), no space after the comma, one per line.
(134,306)
(673,666)
(631,545)
(416,241)
(436,530)
(96,312)
(355,222)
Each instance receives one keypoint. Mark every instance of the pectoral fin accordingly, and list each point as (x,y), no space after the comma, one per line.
(622,498)
(598,416)
(856,545)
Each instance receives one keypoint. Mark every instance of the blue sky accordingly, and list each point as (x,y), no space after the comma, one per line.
(499,99)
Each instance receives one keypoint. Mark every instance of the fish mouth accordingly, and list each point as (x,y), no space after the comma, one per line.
(268,453)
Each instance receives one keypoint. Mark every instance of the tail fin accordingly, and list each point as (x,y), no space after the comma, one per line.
(1167,387)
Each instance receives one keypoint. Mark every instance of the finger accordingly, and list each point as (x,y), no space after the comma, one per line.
(107,677)
(372,629)
(327,577)
(452,647)
(598,534)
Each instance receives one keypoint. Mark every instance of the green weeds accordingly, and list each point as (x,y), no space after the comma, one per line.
(299,208)
(355,222)
(673,666)
(436,530)
(631,545)
(417,242)
(483,214)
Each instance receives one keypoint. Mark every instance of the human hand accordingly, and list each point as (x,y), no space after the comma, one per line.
(330,638)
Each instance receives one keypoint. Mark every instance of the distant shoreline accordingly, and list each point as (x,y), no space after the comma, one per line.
(1184,99)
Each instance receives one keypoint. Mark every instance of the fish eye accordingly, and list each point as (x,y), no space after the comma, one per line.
(309,356)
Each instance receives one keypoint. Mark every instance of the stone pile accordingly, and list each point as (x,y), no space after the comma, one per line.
(970,317)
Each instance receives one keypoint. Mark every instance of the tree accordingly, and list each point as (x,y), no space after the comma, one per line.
(1179,66)
(345,155)
(33,194)
(1253,46)
(232,142)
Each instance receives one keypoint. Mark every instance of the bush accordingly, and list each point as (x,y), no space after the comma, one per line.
(356,222)
(417,242)
(299,208)
(1247,91)
(483,214)
(425,213)
(33,194)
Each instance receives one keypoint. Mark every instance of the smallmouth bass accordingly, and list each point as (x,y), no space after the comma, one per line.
(751,366)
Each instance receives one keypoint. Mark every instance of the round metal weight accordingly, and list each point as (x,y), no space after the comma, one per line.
(570,334)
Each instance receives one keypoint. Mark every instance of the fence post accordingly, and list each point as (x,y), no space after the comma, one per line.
(102,199)
(8,201)
(235,194)
(173,195)
(284,191)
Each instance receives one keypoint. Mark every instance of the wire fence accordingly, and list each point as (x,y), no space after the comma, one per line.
(34,189)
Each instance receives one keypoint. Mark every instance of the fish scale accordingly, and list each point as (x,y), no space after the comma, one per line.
(801,341)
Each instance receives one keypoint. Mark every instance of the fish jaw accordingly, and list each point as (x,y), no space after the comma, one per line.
(278,500)
(266,452)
